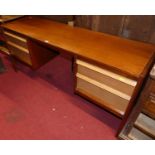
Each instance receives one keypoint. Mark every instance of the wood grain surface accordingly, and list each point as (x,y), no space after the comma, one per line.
(129,57)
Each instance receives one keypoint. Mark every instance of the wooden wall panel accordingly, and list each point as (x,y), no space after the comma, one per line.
(83,21)
(137,27)
(141,28)
(59,18)
(152,32)
(109,24)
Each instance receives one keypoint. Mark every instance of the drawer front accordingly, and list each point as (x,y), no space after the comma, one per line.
(149,106)
(106,96)
(146,124)
(111,79)
(20,53)
(136,134)
(16,39)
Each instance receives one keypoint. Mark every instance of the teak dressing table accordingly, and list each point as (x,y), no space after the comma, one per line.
(108,70)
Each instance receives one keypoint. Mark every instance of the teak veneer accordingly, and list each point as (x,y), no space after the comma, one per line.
(126,56)
(108,70)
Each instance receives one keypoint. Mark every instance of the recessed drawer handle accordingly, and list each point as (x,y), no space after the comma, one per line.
(105,87)
(16,37)
(19,47)
(107,73)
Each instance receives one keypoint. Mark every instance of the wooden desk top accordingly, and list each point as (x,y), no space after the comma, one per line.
(129,57)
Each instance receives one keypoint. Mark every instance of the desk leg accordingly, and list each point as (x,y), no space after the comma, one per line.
(13,62)
(72,67)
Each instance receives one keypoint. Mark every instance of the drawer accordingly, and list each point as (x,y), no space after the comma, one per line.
(16,39)
(111,79)
(149,107)
(106,96)
(20,53)
(146,124)
(136,134)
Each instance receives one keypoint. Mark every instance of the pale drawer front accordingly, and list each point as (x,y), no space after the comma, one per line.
(136,134)
(111,79)
(19,53)
(104,95)
(146,124)
(16,39)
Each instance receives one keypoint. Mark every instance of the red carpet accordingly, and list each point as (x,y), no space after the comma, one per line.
(41,105)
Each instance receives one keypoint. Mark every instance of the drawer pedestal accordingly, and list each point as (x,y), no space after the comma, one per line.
(104,87)
(28,51)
